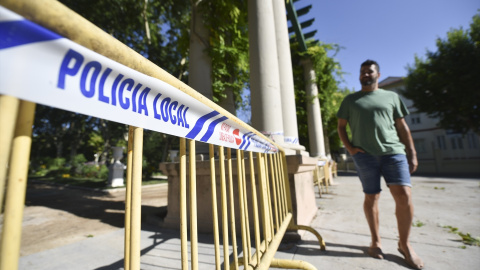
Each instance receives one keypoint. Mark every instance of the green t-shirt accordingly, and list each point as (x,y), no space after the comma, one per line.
(371,116)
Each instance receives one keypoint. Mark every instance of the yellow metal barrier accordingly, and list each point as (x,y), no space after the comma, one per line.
(268,194)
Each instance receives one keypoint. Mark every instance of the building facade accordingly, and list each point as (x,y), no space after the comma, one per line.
(439,151)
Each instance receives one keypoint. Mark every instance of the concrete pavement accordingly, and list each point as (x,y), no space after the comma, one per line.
(439,203)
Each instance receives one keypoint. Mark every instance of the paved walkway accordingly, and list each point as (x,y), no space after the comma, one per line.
(439,202)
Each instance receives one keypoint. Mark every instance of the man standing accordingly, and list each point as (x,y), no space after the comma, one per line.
(381,145)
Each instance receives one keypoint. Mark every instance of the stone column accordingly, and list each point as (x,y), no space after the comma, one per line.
(315,128)
(264,78)
(200,64)
(286,74)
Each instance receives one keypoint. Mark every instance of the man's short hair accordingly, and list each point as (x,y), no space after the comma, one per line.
(369,62)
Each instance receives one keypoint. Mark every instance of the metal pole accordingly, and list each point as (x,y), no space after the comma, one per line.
(17,185)
(193,206)
(214,206)
(256,220)
(223,187)
(128,199)
(136,198)
(8,116)
(243,210)
(183,203)
(232,208)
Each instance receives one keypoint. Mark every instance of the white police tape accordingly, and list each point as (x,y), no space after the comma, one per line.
(41,66)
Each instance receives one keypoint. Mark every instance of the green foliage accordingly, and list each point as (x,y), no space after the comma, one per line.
(329,95)
(466,237)
(155,149)
(446,84)
(56,163)
(157,30)
(418,224)
(228,47)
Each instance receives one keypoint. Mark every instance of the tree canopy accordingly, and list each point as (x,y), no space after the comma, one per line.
(447,83)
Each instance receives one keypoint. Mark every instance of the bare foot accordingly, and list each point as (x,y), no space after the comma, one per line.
(375,252)
(411,257)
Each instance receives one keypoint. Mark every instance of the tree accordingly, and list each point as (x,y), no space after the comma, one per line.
(155,29)
(447,83)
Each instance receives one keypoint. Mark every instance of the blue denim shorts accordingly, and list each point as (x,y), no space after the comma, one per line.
(393,168)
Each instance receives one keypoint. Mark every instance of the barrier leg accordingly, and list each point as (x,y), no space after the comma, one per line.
(183,203)
(17,185)
(213,183)
(8,116)
(291,264)
(136,207)
(193,206)
(128,199)
(312,230)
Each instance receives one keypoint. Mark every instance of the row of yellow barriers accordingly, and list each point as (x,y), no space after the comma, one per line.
(268,194)
(323,175)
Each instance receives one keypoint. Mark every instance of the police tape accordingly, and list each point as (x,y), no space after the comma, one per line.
(41,66)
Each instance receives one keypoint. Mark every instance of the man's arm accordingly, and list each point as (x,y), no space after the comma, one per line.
(406,138)
(342,133)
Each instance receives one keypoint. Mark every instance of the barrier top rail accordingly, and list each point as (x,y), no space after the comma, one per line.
(55,57)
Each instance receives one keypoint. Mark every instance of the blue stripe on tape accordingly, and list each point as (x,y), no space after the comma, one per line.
(211,128)
(243,140)
(246,140)
(199,124)
(249,141)
(17,33)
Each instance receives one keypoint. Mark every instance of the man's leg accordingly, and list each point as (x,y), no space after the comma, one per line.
(370,207)
(404,212)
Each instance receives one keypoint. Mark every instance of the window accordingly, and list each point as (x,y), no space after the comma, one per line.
(472,141)
(460,142)
(441,142)
(415,119)
(420,145)
(457,142)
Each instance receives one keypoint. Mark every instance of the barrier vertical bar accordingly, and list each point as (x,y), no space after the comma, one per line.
(275,196)
(183,203)
(264,206)
(282,183)
(286,184)
(136,198)
(232,208)
(326,172)
(256,220)
(214,206)
(223,187)
(193,205)
(245,199)
(128,200)
(8,116)
(241,200)
(16,189)
(269,198)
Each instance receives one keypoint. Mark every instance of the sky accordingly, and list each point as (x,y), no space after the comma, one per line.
(390,32)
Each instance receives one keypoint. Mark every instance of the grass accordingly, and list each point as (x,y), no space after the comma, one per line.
(93,183)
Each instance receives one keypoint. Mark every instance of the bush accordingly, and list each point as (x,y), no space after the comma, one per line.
(56,164)
(92,171)
(103,172)
(78,163)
